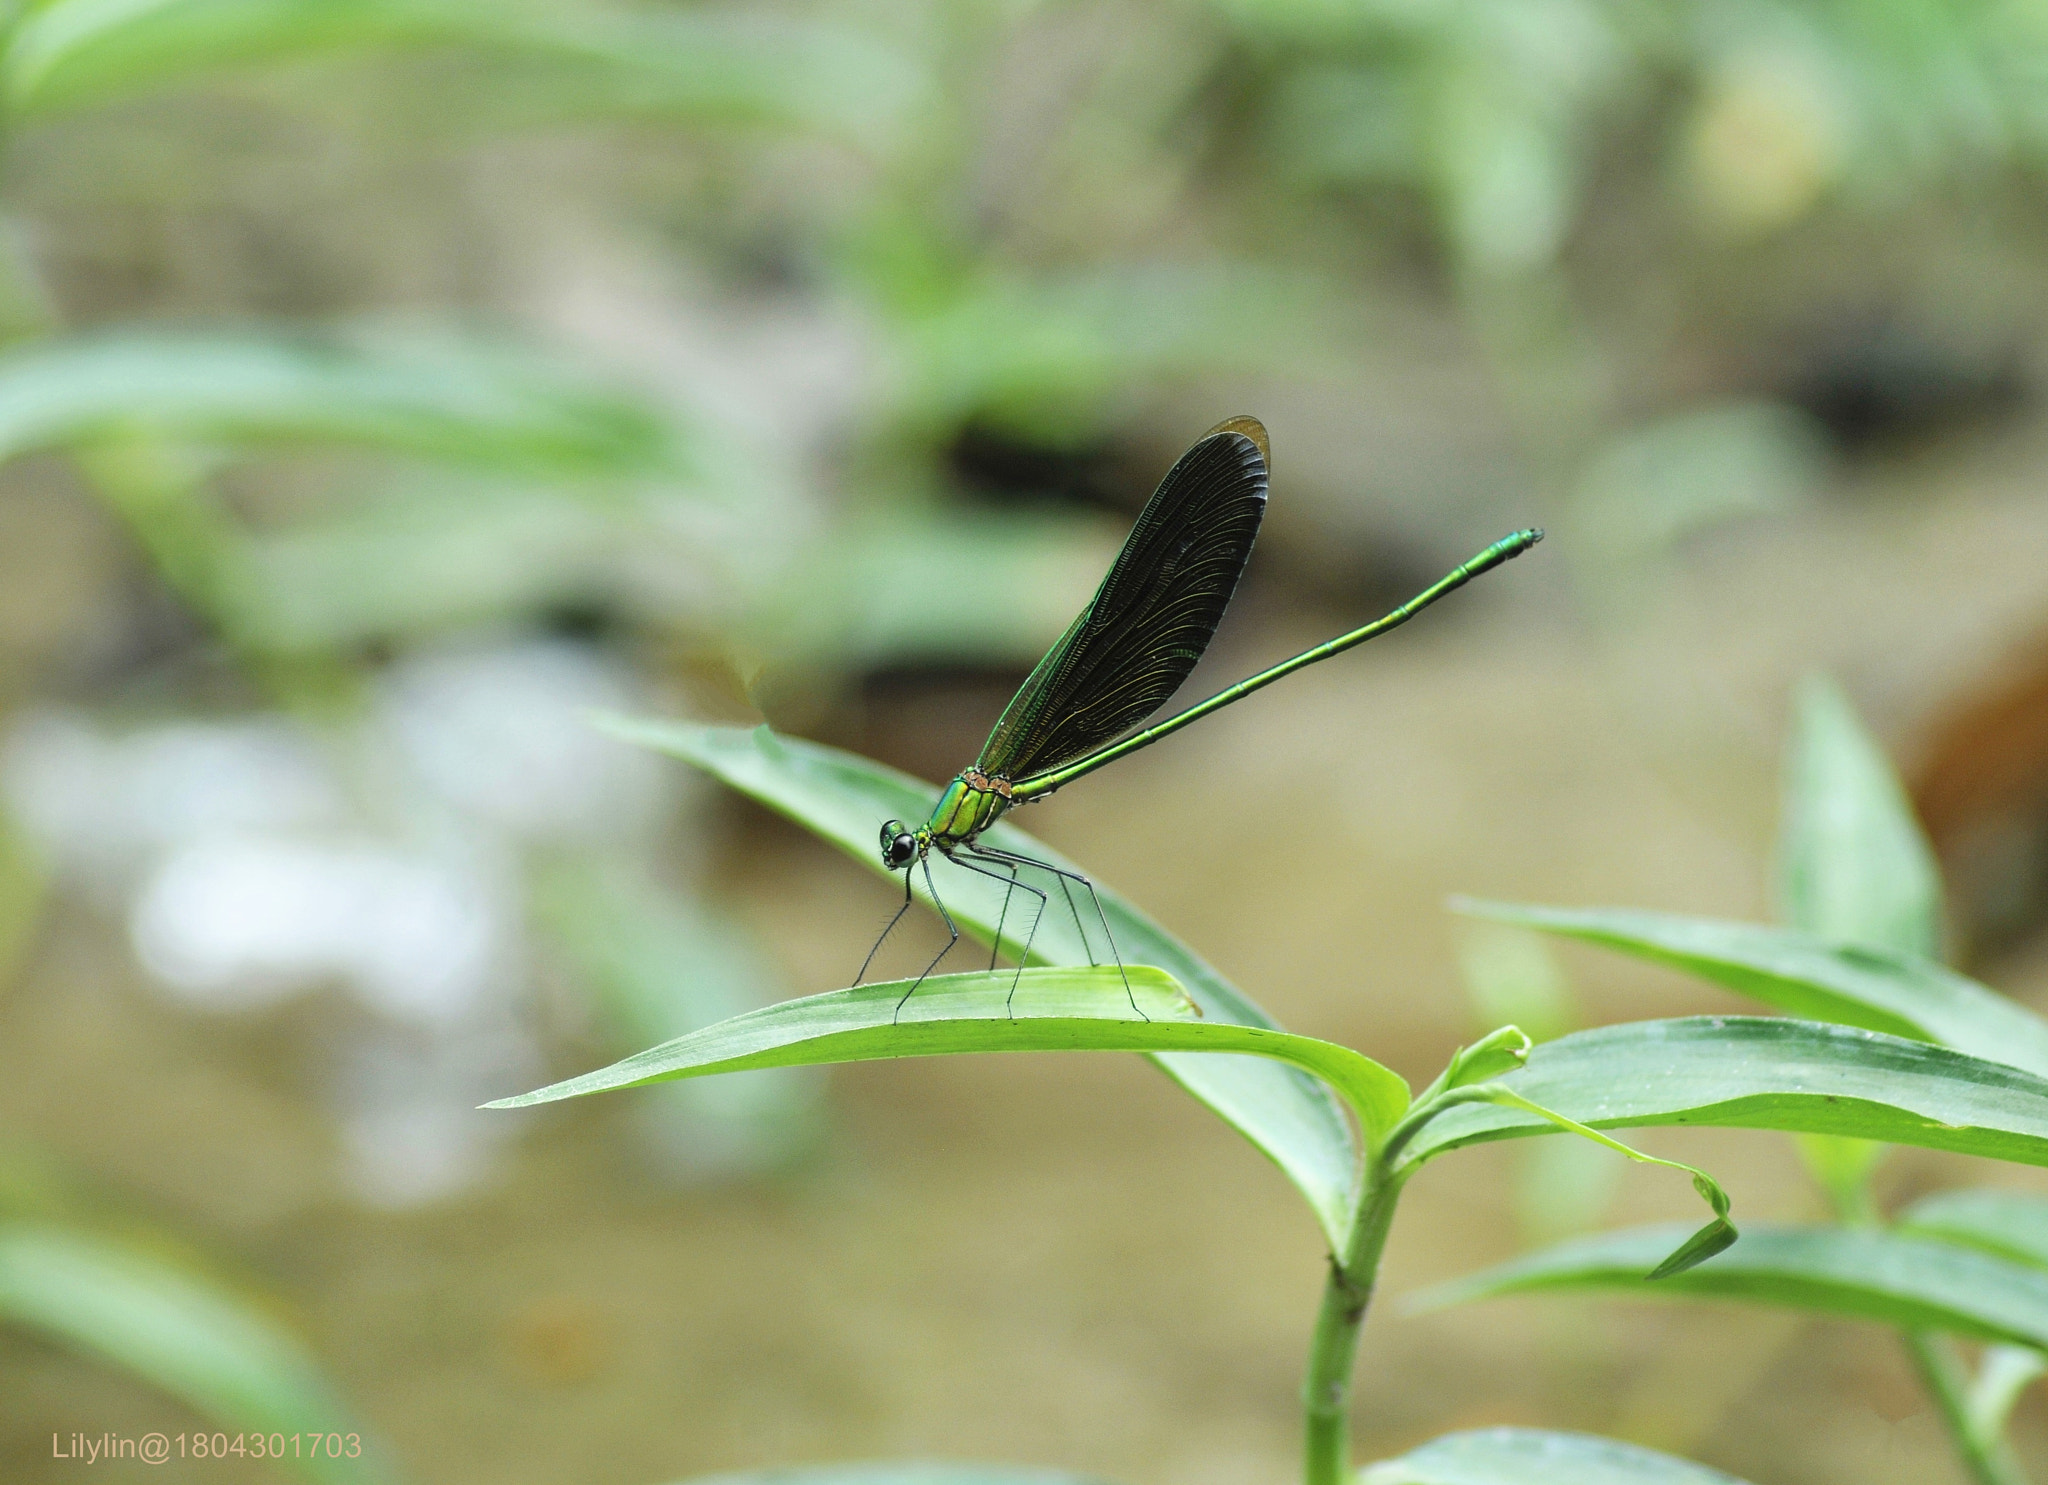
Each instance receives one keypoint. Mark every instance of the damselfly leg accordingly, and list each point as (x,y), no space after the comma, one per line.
(1024,955)
(1012,859)
(952,938)
(886,931)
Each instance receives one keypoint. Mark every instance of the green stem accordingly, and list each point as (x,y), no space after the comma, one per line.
(1982,1448)
(1991,1460)
(1333,1349)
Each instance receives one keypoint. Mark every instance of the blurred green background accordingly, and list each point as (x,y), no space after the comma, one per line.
(387,383)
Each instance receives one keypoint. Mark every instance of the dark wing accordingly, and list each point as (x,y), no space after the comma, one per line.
(1149,622)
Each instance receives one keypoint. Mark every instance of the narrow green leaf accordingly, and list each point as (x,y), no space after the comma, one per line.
(1765,1072)
(1909,1282)
(198,1343)
(905,1472)
(393,567)
(1498,1052)
(2003,1374)
(729,66)
(1717,1236)
(1843,1167)
(1514,978)
(1537,1456)
(1853,984)
(458,399)
(1714,1237)
(80,51)
(843,798)
(1047,354)
(1051,1010)
(1854,865)
(566,60)
(2012,1224)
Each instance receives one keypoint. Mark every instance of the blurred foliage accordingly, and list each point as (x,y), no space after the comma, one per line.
(194,1338)
(380,324)
(1861,892)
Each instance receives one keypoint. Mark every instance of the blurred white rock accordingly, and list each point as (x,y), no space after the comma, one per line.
(410,1124)
(259,857)
(504,734)
(235,921)
(104,806)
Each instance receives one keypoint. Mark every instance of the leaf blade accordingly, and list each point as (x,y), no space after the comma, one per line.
(452,398)
(1046,1009)
(1852,984)
(1537,1456)
(1765,1072)
(1290,1116)
(898,1472)
(2012,1224)
(1853,863)
(701,66)
(1860,1273)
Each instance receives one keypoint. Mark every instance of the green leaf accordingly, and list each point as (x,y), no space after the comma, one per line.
(1764,1072)
(1912,1283)
(1514,978)
(432,558)
(1854,984)
(698,66)
(1041,1010)
(1853,863)
(1715,1237)
(68,52)
(1497,1052)
(1842,1167)
(844,799)
(1853,866)
(839,606)
(2003,1374)
(195,1341)
(907,1472)
(1048,356)
(703,66)
(470,400)
(2012,1224)
(1537,1456)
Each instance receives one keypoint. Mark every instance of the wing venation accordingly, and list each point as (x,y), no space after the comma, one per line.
(1149,622)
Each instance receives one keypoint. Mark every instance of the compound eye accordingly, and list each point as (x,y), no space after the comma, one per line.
(899,846)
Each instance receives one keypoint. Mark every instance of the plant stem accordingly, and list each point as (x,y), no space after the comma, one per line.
(1333,1349)
(1990,1461)
(1983,1450)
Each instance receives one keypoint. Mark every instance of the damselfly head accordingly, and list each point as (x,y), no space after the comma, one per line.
(899,845)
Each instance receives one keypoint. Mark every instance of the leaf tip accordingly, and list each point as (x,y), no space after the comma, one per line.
(1718,1236)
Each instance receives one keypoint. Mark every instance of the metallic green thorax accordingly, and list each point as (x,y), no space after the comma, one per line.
(971,804)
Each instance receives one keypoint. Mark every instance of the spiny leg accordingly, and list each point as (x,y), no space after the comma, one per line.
(891,928)
(1012,859)
(1024,957)
(951,928)
(996,944)
(1079,927)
